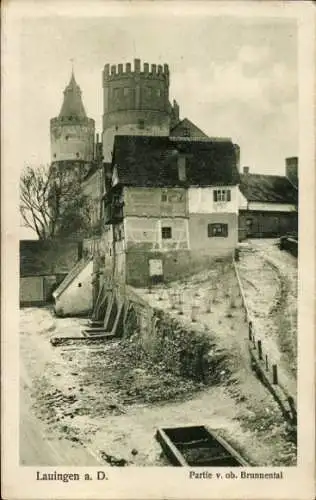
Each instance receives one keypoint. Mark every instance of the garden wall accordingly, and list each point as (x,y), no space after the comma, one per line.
(182,351)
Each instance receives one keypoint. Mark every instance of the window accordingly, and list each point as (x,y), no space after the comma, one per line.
(164,197)
(221,195)
(141,124)
(217,230)
(77,155)
(126,91)
(158,92)
(186,132)
(67,137)
(166,233)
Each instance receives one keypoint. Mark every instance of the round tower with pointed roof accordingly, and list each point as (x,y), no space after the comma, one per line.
(72,132)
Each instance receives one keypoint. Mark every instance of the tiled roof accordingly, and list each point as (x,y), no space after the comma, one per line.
(268,188)
(153,161)
(72,106)
(47,257)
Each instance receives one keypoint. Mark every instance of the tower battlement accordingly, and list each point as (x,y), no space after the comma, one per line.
(153,71)
(135,101)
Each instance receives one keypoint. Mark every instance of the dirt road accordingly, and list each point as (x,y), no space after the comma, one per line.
(269,278)
(37,445)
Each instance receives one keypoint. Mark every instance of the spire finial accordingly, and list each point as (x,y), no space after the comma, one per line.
(72,65)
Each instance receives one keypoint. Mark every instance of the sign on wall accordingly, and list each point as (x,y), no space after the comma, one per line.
(155,267)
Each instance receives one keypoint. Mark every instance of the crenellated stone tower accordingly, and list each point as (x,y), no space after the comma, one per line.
(72,132)
(136,102)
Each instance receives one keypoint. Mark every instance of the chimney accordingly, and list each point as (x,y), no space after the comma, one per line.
(237,156)
(291,170)
(175,114)
(246,170)
(176,110)
(181,168)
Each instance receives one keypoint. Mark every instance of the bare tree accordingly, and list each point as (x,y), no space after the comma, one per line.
(52,202)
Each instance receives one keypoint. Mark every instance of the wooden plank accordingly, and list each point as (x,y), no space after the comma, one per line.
(109,308)
(170,449)
(94,324)
(228,447)
(119,316)
(95,330)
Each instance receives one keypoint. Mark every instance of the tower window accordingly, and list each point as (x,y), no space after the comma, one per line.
(166,233)
(141,124)
(54,155)
(126,91)
(67,137)
(77,155)
(164,197)
(158,92)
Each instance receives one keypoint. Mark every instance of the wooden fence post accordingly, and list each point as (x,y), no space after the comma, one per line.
(260,349)
(267,366)
(293,410)
(208,305)
(173,299)
(180,303)
(275,374)
(194,312)
(250,330)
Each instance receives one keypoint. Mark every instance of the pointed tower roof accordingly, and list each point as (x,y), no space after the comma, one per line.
(72,105)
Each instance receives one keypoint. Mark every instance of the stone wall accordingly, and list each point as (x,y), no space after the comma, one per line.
(175,264)
(72,140)
(182,351)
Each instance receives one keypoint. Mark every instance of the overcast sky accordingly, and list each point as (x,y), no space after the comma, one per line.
(232,76)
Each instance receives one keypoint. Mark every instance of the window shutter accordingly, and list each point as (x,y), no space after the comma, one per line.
(228,195)
(215,195)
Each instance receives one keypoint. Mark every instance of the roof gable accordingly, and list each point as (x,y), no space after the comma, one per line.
(186,128)
(268,188)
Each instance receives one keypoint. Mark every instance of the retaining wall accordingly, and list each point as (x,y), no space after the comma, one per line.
(183,351)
